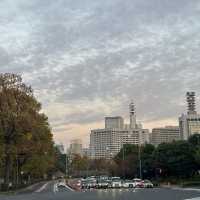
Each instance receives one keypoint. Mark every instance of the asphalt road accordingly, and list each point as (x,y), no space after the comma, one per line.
(48,191)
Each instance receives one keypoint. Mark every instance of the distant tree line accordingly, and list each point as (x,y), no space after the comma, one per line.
(176,160)
(179,160)
(27,151)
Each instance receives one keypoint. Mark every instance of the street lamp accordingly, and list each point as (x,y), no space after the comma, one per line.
(140,160)
(66,165)
(22,180)
(123,157)
(68,162)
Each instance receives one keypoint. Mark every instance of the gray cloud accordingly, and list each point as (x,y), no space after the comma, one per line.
(103,53)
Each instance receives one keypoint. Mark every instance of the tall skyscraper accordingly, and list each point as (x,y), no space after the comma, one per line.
(189,123)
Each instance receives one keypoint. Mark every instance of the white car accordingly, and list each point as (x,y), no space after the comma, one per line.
(103,184)
(89,183)
(116,182)
(128,184)
(148,184)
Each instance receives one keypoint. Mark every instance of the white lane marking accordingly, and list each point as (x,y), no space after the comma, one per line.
(55,188)
(187,189)
(42,188)
(192,189)
(198,198)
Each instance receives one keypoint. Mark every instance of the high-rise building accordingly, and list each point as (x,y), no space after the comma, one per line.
(114,122)
(107,142)
(191,103)
(189,123)
(76,147)
(165,135)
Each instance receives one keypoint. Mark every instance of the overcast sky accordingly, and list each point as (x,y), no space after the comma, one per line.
(87,59)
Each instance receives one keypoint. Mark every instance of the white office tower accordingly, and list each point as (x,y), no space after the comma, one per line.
(189,123)
(107,142)
(76,147)
(166,134)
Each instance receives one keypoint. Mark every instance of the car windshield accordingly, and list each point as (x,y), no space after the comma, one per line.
(128,181)
(116,179)
(147,181)
(138,180)
(103,181)
(99,99)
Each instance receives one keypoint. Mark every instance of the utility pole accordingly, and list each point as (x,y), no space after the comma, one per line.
(123,151)
(17,171)
(140,161)
(67,164)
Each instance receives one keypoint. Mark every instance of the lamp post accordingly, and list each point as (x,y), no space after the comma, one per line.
(123,157)
(110,157)
(68,162)
(22,180)
(66,165)
(17,171)
(140,160)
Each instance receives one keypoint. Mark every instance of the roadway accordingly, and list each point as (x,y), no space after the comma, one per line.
(49,191)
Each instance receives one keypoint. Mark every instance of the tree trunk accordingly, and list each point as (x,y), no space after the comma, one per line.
(7,170)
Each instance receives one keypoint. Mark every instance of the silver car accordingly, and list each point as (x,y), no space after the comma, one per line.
(148,184)
(128,184)
(116,182)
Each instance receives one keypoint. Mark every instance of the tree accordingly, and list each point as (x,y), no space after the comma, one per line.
(175,159)
(60,162)
(128,161)
(194,140)
(147,161)
(79,163)
(113,168)
(24,129)
(197,156)
(101,164)
(1,153)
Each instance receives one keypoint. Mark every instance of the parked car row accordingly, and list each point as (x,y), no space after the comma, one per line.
(113,182)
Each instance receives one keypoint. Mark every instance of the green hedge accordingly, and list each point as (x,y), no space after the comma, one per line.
(191,184)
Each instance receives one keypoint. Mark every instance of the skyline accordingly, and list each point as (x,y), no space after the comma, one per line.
(88,60)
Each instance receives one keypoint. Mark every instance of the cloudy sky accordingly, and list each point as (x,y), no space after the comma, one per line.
(87,59)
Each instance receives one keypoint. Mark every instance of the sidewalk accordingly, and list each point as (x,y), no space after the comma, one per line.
(178,187)
(28,189)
